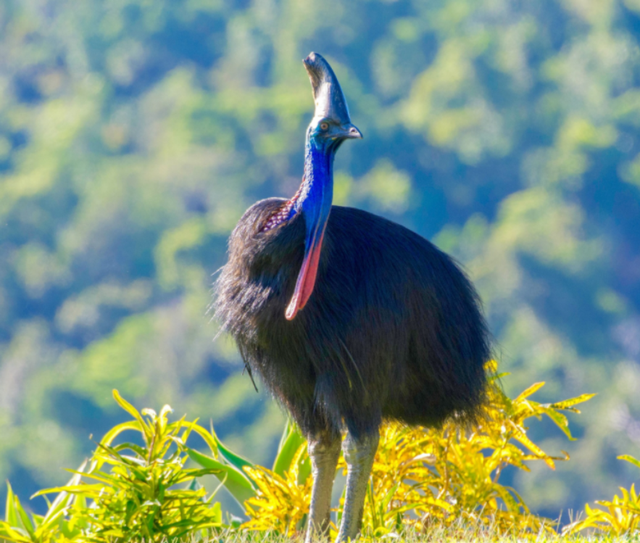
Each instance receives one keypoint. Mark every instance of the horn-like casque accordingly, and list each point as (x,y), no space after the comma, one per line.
(327,94)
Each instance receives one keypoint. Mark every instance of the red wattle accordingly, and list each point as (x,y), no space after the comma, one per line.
(306,280)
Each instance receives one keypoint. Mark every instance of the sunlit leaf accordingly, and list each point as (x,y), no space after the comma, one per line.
(568,404)
(631,459)
(239,485)
(529,391)
(234,459)
(290,442)
(560,421)
(132,411)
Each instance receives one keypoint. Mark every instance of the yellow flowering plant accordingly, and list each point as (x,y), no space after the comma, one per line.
(619,516)
(424,477)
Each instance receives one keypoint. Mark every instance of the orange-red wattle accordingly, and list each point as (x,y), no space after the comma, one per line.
(306,279)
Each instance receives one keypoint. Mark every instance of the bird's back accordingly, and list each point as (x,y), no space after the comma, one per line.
(417,321)
(393,328)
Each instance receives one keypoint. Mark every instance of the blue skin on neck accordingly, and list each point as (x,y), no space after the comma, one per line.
(315,201)
(317,189)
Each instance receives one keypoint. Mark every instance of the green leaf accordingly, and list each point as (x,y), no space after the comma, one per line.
(146,429)
(216,511)
(630,459)
(568,404)
(304,470)
(529,391)
(560,420)
(72,489)
(290,442)
(10,513)
(13,534)
(166,409)
(235,481)
(231,457)
(15,515)
(208,437)
(25,521)
(37,520)
(63,500)
(117,430)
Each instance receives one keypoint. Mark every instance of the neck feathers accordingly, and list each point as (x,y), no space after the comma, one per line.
(316,187)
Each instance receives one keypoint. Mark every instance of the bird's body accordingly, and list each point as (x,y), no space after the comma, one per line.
(349,318)
(393,329)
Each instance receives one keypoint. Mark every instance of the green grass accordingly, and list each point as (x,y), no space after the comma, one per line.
(439,535)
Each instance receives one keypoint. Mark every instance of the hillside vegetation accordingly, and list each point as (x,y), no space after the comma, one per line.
(134,133)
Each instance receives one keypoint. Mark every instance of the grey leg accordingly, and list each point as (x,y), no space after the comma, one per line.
(359,455)
(324,452)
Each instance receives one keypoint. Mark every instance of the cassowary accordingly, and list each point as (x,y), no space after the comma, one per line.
(348,318)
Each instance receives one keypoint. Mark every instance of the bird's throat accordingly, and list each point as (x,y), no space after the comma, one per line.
(316,191)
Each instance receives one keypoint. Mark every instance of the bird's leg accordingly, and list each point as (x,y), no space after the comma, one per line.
(359,455)
(324,452)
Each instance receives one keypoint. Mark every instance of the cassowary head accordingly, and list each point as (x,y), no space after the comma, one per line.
(331,121)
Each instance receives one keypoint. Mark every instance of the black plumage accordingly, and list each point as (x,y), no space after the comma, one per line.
(393,329)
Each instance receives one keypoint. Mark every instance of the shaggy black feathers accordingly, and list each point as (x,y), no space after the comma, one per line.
(393,329)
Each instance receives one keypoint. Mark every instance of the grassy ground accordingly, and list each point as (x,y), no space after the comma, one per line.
(437,535)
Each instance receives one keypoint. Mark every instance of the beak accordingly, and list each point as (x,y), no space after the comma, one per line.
(350,132)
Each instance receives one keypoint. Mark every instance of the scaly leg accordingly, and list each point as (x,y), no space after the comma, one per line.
(359,455)
(324,452)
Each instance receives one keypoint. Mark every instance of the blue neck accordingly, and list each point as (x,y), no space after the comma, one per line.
(317,188)
(316,193)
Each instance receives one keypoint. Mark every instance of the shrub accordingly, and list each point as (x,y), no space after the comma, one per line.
(127,491)
(445,479)
(620,516)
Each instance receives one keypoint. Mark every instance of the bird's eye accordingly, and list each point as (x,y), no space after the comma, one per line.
(324,126)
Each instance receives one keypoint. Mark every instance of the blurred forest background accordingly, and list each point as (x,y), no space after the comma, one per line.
(133,134)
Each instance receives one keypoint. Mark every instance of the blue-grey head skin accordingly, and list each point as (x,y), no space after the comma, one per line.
(330,126)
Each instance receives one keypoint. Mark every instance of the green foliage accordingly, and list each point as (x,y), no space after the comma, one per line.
(620,516)
(60,523)
(248,483)
(127,492)
(424,481)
